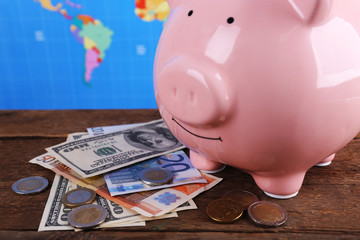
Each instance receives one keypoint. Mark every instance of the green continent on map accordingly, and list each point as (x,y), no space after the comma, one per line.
(100,34)
(96,39)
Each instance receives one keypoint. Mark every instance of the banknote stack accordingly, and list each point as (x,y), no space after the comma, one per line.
(138,172)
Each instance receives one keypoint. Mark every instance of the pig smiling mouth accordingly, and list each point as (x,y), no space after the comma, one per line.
(219,138)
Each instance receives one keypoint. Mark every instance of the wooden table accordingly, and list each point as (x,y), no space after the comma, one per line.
(327,206)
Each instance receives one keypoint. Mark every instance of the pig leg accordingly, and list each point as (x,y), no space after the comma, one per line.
(280,186)
(326,162)
(205,164)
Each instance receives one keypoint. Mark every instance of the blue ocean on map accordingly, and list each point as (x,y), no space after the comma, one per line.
(74,54)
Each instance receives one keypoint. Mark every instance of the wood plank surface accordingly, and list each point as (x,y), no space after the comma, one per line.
(52,123)
(327,206)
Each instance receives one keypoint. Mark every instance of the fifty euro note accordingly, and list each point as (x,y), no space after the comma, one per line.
(126,180)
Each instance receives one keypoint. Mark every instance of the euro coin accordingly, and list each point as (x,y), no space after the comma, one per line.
(267,214)
(87,216)
(30,185)
(156,176)
(245,198)
(224,210)
(78,197)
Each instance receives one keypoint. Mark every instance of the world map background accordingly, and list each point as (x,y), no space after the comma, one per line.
(42,65)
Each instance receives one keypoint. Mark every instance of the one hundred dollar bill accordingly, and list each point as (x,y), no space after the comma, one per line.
(55,213)
(126,180)
(76,136)
(96,155)
(150,203)
(95,131)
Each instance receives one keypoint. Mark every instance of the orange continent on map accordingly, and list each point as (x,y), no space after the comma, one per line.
(149,10)
(48,5)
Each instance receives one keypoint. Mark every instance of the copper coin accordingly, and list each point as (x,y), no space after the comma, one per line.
(78,197)
(245,198)
(156,176)
(224,210)
(267,214)
(87,216)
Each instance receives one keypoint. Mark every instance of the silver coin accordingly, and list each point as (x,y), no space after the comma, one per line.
(30,185)
(87,216)
(78,197)
(155,176)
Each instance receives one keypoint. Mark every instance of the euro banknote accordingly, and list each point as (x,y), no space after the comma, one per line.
(149,204)
(126,180)
(91,156)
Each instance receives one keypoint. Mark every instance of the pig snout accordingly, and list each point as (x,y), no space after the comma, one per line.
(194,91)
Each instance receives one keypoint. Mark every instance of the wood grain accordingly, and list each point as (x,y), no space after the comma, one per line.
(55,123)
(327,206)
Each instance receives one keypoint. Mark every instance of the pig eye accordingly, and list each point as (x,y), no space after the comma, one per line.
(230,20)
(190,13)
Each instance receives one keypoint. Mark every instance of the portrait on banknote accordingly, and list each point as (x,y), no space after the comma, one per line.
(151,138)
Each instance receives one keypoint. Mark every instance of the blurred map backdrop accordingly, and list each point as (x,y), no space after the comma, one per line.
(78,54)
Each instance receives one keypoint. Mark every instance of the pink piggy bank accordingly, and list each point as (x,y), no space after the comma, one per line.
(271,87)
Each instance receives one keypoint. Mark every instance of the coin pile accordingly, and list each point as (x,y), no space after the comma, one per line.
(84,216)
(229,208)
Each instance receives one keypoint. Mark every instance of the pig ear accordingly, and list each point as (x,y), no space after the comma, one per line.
(313,12)
(176,3)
